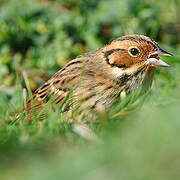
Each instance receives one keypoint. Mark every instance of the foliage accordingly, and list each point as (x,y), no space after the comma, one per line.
(38,37)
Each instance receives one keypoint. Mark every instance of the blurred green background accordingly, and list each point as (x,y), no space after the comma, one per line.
(38,37)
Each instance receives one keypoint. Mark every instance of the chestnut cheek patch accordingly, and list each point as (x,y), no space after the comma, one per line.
(117,57)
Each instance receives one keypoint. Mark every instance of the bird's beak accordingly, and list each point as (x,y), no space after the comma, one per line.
(154,60)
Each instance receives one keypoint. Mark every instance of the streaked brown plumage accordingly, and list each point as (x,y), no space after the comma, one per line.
(98,78)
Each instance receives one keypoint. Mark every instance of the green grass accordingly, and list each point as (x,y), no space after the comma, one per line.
(39,37)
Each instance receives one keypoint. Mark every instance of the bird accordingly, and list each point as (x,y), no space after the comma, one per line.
(98,78)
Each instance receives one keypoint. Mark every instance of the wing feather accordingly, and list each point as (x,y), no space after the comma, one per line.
(58,86)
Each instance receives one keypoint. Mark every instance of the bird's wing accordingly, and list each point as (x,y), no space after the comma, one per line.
(57,87)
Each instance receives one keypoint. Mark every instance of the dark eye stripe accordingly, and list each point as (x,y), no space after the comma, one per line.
(108,53)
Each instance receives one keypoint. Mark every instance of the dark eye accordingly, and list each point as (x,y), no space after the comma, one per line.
(134,51)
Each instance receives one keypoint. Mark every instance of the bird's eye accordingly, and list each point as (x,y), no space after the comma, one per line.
(134,52)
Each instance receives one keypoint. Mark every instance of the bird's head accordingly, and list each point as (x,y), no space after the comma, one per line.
(130,53)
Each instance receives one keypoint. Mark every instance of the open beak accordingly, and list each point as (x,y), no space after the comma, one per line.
(154,60)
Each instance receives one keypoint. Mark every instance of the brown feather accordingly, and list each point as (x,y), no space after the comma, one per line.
(97,78)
